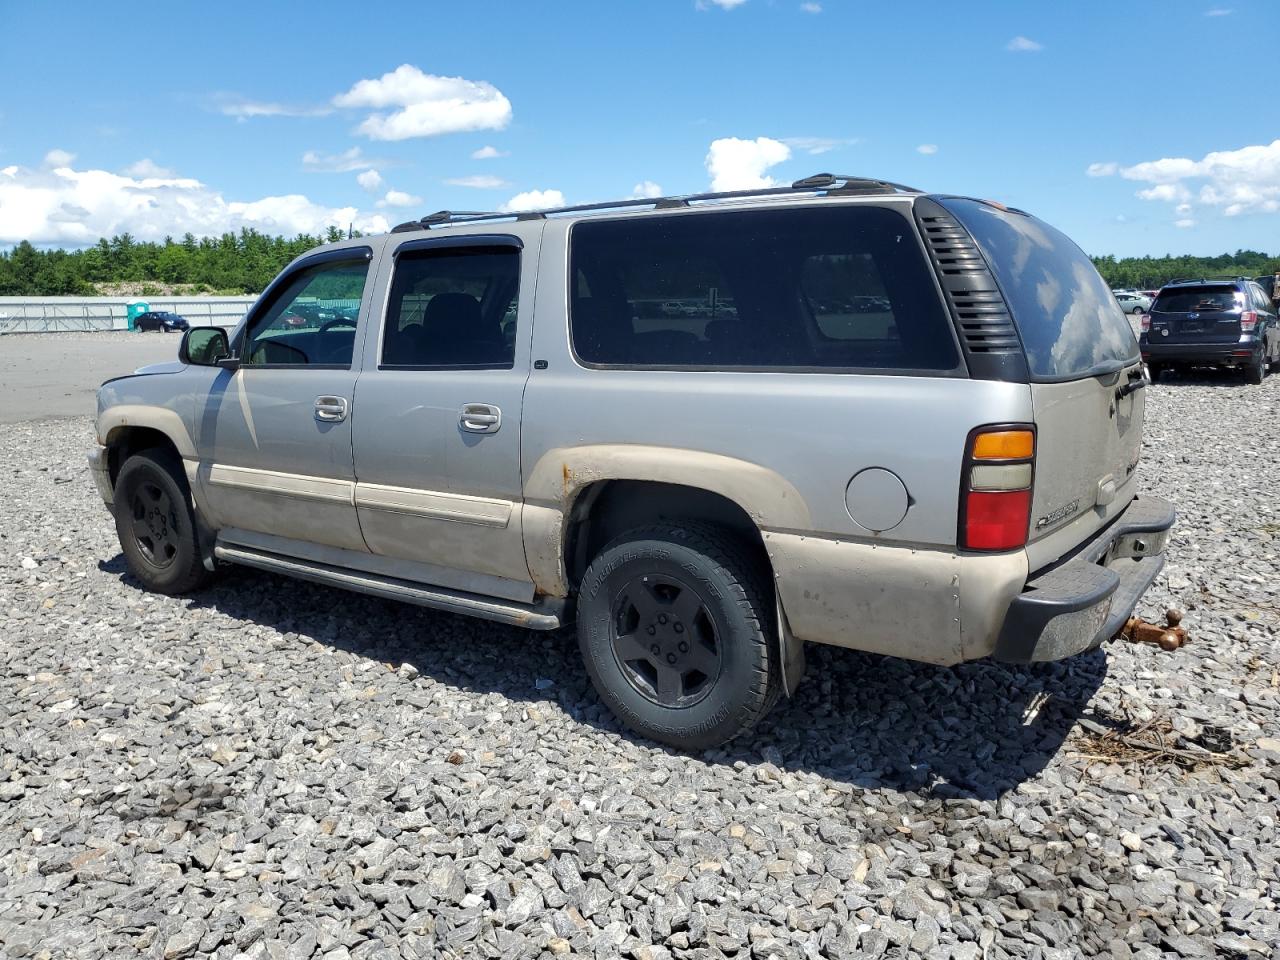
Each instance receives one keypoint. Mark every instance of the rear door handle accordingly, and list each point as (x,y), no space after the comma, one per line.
(480,418)
(331,409)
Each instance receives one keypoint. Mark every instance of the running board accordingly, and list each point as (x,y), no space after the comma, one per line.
(438,598)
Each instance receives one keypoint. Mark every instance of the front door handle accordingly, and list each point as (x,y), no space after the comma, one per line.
(331,409)
(480,418)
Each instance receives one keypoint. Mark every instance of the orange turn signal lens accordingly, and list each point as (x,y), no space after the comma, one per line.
(1004,445)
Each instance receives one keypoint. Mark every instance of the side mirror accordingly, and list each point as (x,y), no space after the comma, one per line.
(204,347)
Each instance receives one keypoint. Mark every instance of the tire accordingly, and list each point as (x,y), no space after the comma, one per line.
(156,524)
(1137,311)
(1154,370)
(1254,373)
(693,597)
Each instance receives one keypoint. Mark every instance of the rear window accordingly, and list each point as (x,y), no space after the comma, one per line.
(811,288)
(1068,318)
(1197,300)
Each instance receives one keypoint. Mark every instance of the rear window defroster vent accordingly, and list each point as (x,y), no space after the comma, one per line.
(982,318)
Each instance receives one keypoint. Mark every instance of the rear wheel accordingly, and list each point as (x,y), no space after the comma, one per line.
(156,524)
(675,624)
(1256,370)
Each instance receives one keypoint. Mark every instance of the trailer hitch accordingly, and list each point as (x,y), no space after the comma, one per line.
(1171,636)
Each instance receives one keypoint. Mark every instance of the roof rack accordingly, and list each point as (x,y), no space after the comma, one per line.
(1219,279)
(827,184)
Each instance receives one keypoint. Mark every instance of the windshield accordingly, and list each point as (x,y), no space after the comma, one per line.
(1068,318)
(1197,299)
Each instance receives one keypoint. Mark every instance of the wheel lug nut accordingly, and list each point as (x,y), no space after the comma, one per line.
(662,618)
(671,658)
(652,631)
(684,647)
(654,650)
(679,627)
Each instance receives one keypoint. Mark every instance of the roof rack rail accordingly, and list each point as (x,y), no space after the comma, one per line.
(824,183)
(1223,278)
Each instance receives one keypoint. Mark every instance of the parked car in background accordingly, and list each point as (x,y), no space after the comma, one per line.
(1133,302)
(1223,323)
(160,320)
(896,442)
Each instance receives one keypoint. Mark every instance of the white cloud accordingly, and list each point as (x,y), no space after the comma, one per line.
(59,158)
(1182,209)
(398,198)
(487,153)
(77,207)
(533,200)
(736,164)
(425,105)
(645,190)
(146,167)
(370,180)
(722,4)
(344,162)
(479,181)
(818,145)
(1217,12)
(1103,169)
(1022,44)
(1246,180)
(244,110)
(1184,224)
(928,149)
(811,7)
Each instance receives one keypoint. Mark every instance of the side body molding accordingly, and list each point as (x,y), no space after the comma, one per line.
(561,474)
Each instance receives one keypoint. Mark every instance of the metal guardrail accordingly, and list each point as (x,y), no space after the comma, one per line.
(79,314)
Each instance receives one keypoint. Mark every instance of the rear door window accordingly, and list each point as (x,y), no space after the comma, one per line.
(452,308)
(1206,299)
(1069,321)
(814,288)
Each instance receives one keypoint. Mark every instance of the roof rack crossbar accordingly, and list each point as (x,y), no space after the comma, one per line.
(823,183)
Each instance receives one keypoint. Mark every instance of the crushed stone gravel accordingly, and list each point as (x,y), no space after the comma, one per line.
(275,770)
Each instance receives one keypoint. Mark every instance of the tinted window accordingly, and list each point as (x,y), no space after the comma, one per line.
(453,308)
(311,318)
(1067,317)
(814,287)
(1198,300)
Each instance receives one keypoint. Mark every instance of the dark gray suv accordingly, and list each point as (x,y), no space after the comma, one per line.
(1223,323)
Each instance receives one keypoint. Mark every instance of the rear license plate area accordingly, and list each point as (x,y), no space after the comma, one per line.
(1192,326)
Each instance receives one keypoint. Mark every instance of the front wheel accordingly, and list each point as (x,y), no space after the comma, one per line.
(675,624)
(156,524)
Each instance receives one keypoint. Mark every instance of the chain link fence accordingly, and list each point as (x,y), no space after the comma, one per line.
(63,314)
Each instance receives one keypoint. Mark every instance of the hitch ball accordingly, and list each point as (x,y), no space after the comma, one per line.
(1170,637)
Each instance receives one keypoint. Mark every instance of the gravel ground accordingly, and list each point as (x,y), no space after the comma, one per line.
(274,770)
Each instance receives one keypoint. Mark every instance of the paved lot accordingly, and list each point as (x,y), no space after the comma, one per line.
(57,374)
(275,770)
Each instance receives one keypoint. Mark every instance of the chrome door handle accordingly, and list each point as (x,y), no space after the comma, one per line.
(480,418)
(331,409)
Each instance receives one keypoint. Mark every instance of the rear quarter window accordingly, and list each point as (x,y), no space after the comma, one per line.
(1066,315)
(812,288)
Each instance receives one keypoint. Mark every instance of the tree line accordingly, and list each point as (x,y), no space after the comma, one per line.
(246,262)
(232,263)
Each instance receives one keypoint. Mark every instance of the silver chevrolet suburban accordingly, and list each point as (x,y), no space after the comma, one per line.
(707,429)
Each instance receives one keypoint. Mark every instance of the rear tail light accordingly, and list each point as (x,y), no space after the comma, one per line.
(995,490)
(1146,322)
(1248,320)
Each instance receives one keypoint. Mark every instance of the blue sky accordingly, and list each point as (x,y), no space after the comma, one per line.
(1136,127)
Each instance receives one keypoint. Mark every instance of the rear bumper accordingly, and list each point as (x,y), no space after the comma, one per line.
(1155,351)
(1077,605)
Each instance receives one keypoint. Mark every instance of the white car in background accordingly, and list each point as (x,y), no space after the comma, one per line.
(1133,302)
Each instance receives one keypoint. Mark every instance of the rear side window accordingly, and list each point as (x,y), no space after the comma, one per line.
(1207,299)
(1066,315)
(814,288)
(453,308)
